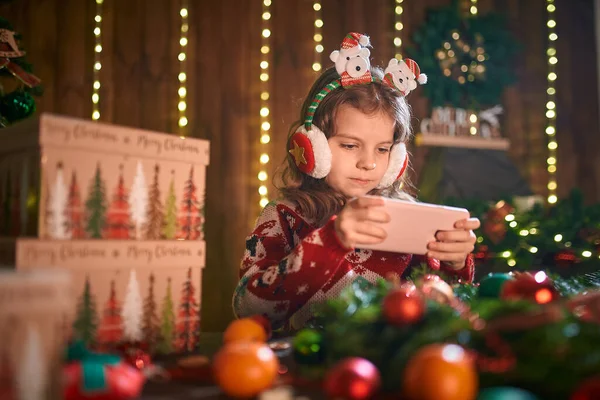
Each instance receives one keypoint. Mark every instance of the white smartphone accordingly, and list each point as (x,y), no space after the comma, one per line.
(413,225)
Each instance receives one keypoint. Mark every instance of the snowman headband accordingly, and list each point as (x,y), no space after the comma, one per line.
(308,146)
(354,67)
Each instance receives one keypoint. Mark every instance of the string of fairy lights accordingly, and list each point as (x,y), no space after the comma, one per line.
(551,103)
(552,143)
(398,27)
(318,36)
(97,62)
(473,9)
(475,70)
(265,124)
(182,76)
(526,229)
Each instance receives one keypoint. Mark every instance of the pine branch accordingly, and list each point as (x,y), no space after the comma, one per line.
(552,358)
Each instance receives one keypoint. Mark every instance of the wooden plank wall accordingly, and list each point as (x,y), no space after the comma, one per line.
(139,88)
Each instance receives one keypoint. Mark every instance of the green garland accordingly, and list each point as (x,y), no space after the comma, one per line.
(353,326)
(480,45)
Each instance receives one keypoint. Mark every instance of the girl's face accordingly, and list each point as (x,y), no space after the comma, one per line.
(360,151)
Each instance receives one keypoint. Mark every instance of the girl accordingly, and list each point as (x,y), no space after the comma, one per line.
(352,143)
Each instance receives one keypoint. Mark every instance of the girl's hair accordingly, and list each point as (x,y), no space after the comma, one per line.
(317,200)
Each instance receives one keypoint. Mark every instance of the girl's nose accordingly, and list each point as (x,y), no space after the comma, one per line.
(366,162)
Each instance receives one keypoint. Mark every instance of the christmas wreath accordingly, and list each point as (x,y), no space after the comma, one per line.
(469,60)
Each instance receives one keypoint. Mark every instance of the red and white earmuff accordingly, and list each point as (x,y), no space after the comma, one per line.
(396,166)
(310,151)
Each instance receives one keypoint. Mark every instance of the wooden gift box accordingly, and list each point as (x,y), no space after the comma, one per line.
(122,209)
(127,290)
(67,178)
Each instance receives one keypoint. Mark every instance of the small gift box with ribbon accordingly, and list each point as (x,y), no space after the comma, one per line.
(97,376)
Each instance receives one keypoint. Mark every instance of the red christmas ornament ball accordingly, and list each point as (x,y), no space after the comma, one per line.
(589,390)
(135,354)
(403,306)
(565,258)
(266,324)
(138,359)
(352,378)
(482,254)
(494,223)
(535,287)
(586,306)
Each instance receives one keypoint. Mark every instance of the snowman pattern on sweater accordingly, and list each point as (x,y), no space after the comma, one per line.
(289,266)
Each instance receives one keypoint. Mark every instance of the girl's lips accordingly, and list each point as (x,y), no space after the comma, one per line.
(360,181)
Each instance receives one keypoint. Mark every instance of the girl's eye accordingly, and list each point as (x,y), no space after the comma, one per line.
(384,150)
(348,146)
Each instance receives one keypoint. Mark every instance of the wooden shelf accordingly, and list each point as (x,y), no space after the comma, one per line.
(461,141)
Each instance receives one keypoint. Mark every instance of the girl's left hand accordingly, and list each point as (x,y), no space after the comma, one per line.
(453,247)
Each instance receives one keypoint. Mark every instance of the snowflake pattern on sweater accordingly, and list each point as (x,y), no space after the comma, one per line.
(289,266)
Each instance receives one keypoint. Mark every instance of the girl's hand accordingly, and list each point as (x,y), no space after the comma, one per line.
(454,246)
(356,223)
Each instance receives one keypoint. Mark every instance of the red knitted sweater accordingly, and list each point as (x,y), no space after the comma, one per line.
(290,265)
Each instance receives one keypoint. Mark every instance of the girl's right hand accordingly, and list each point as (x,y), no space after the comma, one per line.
(356,223)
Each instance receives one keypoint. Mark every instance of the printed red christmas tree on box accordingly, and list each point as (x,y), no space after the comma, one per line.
(111,327)
(118,225)
(188,318)
(190,215)
(155,219)
(75,210)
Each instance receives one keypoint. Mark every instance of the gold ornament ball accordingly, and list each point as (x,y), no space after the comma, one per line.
(435,288)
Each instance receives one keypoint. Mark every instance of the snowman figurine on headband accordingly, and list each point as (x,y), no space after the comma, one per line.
(308,145)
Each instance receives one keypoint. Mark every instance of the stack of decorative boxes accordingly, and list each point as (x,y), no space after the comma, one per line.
(123,210)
